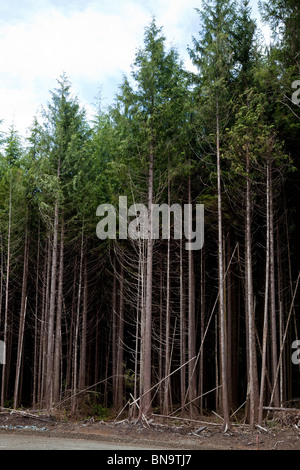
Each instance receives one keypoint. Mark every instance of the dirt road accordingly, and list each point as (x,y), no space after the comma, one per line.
(10,441)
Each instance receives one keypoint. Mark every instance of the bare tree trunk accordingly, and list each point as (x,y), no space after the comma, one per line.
(166,401)
(69,369)
(274,354)
(217,334)
(223,332)
(51,320)
(44,317)
(1,273)
(160,346)
(202,326)
(83,347)
(281,321)
(37,352)
(114,334)
(252,372)
(192,387)
(4,366)
(182,335)
(22,319)
(75,344)
(145,403)
(143,270)
(265,324)
(229,302)
(58,339)
(120,342)
(139,308)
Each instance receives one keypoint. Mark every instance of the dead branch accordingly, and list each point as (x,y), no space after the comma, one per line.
(276,408)
(25,413)
(195,420)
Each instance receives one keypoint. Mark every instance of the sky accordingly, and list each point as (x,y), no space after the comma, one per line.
(92,41)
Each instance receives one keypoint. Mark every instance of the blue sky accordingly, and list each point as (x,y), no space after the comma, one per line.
(92,41)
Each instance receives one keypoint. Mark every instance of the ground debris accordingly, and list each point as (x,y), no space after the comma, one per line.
(31,428)
(159,431)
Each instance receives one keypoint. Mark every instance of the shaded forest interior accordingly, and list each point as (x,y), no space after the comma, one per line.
(147,321)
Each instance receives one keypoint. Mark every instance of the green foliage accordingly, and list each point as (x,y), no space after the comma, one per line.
(160,109)
(99,411)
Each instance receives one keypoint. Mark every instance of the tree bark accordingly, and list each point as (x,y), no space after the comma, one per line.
(166,401)
(252,372)
(76,334)
(192,385)
(37,352)
(120,343)
(83,346)
(22,319)
(223,332)
(4,366)
(51,321)
(274,354)
(265,323)
(58,338)
(182,334)
(145,404)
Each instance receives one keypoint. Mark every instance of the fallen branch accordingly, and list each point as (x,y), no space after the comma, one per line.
(216,414)
(196,420)
(197,398)
(162,380)
(25,413)
(276,408)
(260,427)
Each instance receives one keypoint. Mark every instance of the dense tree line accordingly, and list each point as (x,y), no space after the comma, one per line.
(143,321)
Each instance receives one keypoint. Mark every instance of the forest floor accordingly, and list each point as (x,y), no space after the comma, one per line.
(280,433)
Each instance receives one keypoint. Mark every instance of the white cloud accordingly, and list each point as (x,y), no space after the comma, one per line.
(88,45)
(93,41)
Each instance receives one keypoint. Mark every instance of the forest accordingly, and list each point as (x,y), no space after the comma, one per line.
(143,325)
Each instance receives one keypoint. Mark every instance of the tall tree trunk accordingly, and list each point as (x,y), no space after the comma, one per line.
(37,352)
(1,272)
(120,342)
(114,334)
(83,347)
(281,320)
(43,324)
(22,318)
(229,301)
(265,323)
(274,354)
(58,339)
(76,334)
(252,373)
(166,401)
(182,335)
(69,370)
(145,404)
(202,326)
(192,385)
(4,366)
(160,345)
(51,319)
(139,315)
(223,332)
